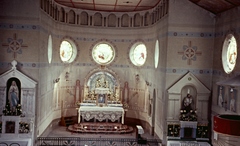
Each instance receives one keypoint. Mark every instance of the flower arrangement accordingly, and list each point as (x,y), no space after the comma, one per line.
(188,116)
(174,130)
(202,131)
(24,127)
(16,111)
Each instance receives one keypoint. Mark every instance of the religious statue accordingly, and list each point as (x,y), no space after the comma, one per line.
(187,103)
(220,97)
(232,101)
(188,113)
(13,95)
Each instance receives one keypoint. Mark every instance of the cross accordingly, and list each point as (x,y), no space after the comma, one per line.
(189,53)
(14,45)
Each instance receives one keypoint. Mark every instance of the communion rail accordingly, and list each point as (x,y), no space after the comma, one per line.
(77,141)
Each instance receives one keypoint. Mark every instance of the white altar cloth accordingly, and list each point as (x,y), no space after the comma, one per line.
(100,113)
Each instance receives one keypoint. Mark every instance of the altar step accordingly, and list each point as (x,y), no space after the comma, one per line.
(99,127)
(66,121)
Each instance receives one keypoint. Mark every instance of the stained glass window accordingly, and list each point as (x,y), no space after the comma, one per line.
(138,54)
(103,53)
(229,53)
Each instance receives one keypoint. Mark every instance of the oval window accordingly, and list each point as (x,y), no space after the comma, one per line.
(229,53)
(49,49)
(138,54)
(156,55)
(68,51)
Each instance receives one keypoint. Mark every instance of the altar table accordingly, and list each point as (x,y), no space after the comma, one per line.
(100,113)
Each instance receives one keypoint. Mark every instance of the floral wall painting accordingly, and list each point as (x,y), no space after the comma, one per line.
(232,99)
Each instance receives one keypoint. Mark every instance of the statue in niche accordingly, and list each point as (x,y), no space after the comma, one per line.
(232,101)
(188,112)
(188,103)
(13,96)
(220,97)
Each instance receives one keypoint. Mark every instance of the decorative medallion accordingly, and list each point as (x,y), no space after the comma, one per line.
(189,53)
(14,45)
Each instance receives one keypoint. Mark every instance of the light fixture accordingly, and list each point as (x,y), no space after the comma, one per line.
(56,80)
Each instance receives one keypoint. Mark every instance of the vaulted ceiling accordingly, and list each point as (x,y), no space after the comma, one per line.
(214,6)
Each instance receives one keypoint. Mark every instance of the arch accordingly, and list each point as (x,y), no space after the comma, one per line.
(112,20)
(125,20)
(137,20)
(84,18)
(146,19)
(71,17)
(62,15)
(97,19)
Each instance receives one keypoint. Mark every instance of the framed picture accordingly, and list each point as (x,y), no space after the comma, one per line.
(102,99)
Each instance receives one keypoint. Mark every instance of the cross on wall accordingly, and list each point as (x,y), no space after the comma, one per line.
(189,53)
(14,45)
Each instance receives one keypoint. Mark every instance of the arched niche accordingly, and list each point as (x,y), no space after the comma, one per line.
(112,20)
(97,19)
(71,17)
(102,81)
(125,20)
(188,84)
(62,15)
(84,18)
(191,90)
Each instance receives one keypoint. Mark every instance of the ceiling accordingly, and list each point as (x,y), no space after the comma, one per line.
(214,6)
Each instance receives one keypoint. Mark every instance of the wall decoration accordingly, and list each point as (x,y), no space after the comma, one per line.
(14,45)
(189,53)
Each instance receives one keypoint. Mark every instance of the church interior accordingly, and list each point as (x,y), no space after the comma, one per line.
(132,72)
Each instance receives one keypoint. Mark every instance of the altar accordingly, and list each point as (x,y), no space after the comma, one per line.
(108,113)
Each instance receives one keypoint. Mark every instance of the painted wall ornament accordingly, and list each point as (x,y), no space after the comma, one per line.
(189,53)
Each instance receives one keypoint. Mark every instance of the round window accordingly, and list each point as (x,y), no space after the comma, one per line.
(229,53)
(68,51)
(138,54)
(103,53)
